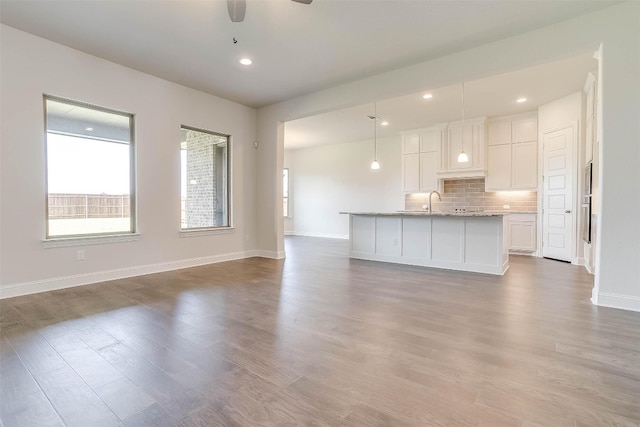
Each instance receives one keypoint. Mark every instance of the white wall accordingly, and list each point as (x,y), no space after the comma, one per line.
(289,162)
(560,112)
(32,66)
(617,28)
(334,178)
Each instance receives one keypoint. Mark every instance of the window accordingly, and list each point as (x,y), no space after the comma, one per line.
(285,192)
(90,170)
(204,177)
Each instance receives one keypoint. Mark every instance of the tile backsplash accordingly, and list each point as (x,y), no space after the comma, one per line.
(470,194)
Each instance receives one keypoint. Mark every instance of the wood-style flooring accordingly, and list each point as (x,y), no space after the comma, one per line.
(322,340)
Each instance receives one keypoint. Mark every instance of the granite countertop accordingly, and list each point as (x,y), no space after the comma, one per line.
(424,213)
(512,212)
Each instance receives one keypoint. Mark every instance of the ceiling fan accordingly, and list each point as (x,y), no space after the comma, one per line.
(237,8)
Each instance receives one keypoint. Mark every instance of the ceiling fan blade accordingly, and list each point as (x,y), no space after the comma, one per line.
(236,9)
(303,1)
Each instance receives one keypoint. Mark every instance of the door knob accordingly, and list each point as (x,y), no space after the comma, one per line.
(567,211)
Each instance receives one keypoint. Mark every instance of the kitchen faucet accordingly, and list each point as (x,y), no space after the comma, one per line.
(429,208)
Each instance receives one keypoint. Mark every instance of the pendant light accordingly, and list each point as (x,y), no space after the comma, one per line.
(375,165)
(462,157)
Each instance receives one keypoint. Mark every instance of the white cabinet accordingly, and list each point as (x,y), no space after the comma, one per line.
(498,167)
(428,171)
(512,154)
(411,143)
(524,130)
(522,233)
(524,167)
(471,140)
(411,172)
(465,243)
(499,132)
(420,159)
(388,236)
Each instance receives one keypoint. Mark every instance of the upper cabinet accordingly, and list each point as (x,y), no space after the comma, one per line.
(471,140)
(411,143)
(499,132)
(420,159)
(431,154)
(512,153)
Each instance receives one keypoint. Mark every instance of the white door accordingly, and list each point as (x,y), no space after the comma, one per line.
(558,211)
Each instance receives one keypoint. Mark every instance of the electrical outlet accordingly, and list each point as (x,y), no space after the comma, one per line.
(506,206)
(80,255)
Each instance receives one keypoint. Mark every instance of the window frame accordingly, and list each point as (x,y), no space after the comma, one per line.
(70,239)
(216,229)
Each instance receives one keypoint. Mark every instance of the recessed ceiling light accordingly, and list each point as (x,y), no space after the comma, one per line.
(90,129)
(246,61)
(521,100)
(384,124)
(427,96)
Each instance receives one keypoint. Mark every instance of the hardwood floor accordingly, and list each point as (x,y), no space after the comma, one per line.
(318,339)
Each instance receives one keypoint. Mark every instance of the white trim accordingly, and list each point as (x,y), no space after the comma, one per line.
(25,288)
(601,178)
(579,261)
(290,233)
(624,302)
(522,253)
(528,114)
(269,254)
(63,242)
(590,79)
(205,231)
(589,268)
(324,235)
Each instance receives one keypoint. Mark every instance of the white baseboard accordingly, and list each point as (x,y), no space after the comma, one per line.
(624,302)
(589,268)
(325,235)
(25,288)
(523,253)
(270,254)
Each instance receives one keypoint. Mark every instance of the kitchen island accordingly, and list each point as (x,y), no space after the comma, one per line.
(471,241)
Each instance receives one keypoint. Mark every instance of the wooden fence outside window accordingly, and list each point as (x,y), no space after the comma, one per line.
(73,206)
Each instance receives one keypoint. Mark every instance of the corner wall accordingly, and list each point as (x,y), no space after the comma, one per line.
(32,66)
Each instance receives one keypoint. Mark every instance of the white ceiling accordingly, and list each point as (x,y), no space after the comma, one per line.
(492,96)
(296,49)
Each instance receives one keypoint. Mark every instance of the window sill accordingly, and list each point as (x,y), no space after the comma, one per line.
(63,242)
(206,231)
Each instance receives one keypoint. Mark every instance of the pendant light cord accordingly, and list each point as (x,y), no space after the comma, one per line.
(463,117)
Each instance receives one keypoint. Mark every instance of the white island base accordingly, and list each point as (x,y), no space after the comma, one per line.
(472,242)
